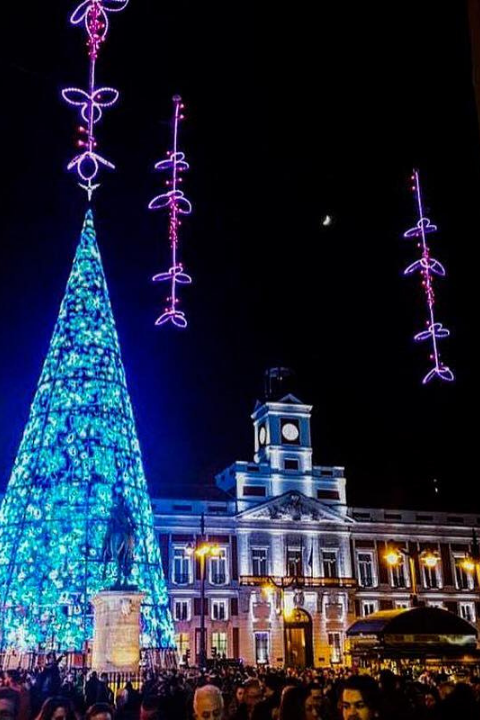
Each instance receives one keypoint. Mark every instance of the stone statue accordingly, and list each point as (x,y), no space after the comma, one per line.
(119,541)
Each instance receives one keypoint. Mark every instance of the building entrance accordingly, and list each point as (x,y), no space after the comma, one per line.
(298,639)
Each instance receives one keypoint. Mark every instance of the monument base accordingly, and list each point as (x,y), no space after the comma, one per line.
(116,639)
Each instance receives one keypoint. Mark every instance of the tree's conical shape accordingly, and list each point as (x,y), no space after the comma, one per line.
(79,452)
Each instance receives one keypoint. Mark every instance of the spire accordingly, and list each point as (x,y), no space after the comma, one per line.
(79,454)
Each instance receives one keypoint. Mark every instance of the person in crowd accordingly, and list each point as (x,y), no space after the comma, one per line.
(237,699)
(252,695)
(359,698)
(8,704)
(91,689)
(100,711)
(104,691)
(13,680)
(292,704)
(208,703)
(267,708)
(153,707)
(56,708)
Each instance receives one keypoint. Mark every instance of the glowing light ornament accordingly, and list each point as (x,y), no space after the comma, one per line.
(176,202)
(93,14)
(428,266)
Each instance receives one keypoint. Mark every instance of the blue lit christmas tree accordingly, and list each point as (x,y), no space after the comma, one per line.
(78,456)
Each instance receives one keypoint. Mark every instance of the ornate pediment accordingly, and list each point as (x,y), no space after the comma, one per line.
(296,507)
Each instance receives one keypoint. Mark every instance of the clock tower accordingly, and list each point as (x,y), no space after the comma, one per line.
(282,434)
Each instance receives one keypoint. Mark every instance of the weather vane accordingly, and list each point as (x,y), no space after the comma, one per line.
(428,267)
(174,199)
(91,102)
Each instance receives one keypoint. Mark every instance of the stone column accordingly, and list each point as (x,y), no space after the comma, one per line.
(116,639)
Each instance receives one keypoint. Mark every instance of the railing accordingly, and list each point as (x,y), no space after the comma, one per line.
(297,581)
(218,579)
(181,579)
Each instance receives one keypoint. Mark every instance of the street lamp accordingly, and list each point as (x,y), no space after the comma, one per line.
(471,562)
(394,557)
(202,551)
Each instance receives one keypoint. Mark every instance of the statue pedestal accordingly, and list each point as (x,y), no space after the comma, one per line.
(116,639)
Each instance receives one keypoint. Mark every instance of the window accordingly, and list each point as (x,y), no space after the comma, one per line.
(218,568)
(219,643)
(335,642)
(181,566)
(365,569)
(261,647)
(259,561)
(181,610)
(430,577)
(294,562)
(328,495)
(253,491)
(401,604)
(219,610)
(467,611)
(182,642)
(368,607)
(398,574)
(291,464)
(329,559)
(463,579)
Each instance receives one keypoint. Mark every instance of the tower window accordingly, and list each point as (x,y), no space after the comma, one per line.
(253,491)
(291,464)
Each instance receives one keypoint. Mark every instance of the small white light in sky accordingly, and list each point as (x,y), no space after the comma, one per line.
(327,220)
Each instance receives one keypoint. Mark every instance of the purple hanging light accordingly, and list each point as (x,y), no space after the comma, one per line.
(174,199)
(93,14)
(428,267)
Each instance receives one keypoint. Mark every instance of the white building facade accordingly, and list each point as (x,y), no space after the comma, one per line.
(294,566)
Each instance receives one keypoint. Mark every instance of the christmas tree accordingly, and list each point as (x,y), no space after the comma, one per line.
(78,458)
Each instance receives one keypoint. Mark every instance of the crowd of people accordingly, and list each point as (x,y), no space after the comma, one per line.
(239,693)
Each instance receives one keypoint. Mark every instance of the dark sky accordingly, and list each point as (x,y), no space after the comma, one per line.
(290,116)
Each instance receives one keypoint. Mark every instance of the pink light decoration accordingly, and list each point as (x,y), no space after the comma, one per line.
(177,204)
(428,267)
(93,14)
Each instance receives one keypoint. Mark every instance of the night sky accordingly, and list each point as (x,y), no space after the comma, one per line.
(290,117)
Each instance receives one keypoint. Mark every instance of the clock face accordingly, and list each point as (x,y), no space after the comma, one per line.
(290,432)
(262,435)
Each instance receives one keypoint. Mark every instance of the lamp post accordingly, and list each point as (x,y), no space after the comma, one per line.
(394,557)
(471,562)
(202,551)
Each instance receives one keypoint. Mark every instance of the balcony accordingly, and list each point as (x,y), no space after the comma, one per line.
(298,581)
(218,579)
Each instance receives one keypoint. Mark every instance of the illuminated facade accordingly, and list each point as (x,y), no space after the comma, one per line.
(79,457)
(295,565)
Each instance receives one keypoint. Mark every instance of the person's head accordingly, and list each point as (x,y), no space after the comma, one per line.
(12,678)
(104,677)
(359,698)
(153,708)
(252,693)
(272,686)
(56,708)
(293,703)
(99,711)
(208,703)
(239,693)
(314,701)
(8,703)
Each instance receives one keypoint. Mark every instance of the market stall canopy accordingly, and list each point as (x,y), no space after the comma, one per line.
(420,631)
